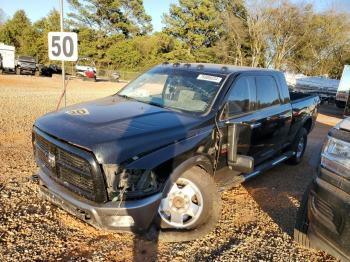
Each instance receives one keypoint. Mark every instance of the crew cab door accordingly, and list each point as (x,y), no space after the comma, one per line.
(273,119)
(255,101)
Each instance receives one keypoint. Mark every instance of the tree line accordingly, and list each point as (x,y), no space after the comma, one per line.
(117,34)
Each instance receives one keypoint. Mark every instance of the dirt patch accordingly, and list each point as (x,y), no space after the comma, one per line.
(257,218)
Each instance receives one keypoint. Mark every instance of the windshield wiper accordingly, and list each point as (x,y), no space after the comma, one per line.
(142,101)
(124,96)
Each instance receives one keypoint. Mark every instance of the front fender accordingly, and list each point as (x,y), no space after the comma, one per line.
(156,158)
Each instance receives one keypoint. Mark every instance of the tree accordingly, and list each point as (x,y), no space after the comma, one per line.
(233,47)
(326,49)
(125,17)
(51,23)
(287,30)
(195,22)
(18,31)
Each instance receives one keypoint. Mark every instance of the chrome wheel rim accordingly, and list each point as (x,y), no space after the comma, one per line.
(183,205)
(300,147)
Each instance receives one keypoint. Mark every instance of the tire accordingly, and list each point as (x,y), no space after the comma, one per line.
(36,73)
(206,197)
(18,71)
(1,71)
(301,137)
(340,104)
(302,223)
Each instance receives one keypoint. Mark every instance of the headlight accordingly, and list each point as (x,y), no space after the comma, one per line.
(336,156)
(130,184)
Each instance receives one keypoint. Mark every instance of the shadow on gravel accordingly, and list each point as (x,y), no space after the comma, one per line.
(145,250)
(279,191)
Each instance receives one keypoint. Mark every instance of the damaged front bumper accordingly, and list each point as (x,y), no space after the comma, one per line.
(132,215)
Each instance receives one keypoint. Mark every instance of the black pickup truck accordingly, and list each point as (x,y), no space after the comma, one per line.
(159,149)
(323,219)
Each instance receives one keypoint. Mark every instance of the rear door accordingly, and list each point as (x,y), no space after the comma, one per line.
(272,121)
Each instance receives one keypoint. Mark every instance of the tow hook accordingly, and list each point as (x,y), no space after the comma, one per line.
(35,179)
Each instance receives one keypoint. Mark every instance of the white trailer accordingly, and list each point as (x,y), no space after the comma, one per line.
(325,88)
(7,53)
(343,88)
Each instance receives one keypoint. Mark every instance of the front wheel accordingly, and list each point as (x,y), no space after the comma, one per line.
(191,208)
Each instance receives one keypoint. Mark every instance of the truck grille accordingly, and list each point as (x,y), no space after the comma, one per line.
(69,169)
(330,218)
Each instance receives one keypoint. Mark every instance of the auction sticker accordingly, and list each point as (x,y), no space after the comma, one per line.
(210,78)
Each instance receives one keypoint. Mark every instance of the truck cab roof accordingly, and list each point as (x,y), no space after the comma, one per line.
(216,68)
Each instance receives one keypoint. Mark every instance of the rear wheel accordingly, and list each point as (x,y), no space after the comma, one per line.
(191,208)
(298,147)
(18,71)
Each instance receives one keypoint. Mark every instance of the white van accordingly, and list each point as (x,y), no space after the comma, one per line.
(7,53)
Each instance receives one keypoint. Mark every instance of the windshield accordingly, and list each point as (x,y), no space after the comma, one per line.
(183,90)
(27,58)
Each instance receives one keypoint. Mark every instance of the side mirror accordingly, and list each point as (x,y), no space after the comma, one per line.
(235,161)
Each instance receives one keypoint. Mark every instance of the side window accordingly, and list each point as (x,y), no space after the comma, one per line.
(267,92)
(242,96)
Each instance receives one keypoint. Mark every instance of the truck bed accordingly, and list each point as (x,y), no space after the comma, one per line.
(296,96)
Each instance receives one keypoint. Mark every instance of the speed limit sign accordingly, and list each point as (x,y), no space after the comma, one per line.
(63,46)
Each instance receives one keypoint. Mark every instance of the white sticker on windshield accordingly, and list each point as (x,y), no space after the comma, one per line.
(210,78)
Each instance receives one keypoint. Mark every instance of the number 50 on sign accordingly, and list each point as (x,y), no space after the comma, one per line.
(63,46)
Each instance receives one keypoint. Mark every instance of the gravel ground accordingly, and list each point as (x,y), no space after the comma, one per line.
(257,218)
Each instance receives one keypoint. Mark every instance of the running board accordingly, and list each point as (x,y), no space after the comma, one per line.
(268,165)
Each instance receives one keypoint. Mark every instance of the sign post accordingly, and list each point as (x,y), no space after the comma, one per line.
(63,69)
(63,46)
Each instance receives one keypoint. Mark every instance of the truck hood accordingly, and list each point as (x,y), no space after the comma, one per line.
(116,129)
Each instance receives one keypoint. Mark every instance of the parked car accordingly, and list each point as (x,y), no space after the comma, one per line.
(323,219)
(150,153)
(25,64)
(85,68)
(49,70)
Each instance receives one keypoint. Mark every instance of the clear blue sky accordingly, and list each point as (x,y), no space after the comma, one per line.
(35,9)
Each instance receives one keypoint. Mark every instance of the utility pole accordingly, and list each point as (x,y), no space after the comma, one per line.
(63,70)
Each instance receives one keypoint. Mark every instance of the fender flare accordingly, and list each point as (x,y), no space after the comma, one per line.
(199,160)
(306,119)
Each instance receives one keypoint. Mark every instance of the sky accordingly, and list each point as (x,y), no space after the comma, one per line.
(36,9)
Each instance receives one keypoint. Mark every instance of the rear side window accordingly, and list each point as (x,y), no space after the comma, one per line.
(267,92)
(242,96)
